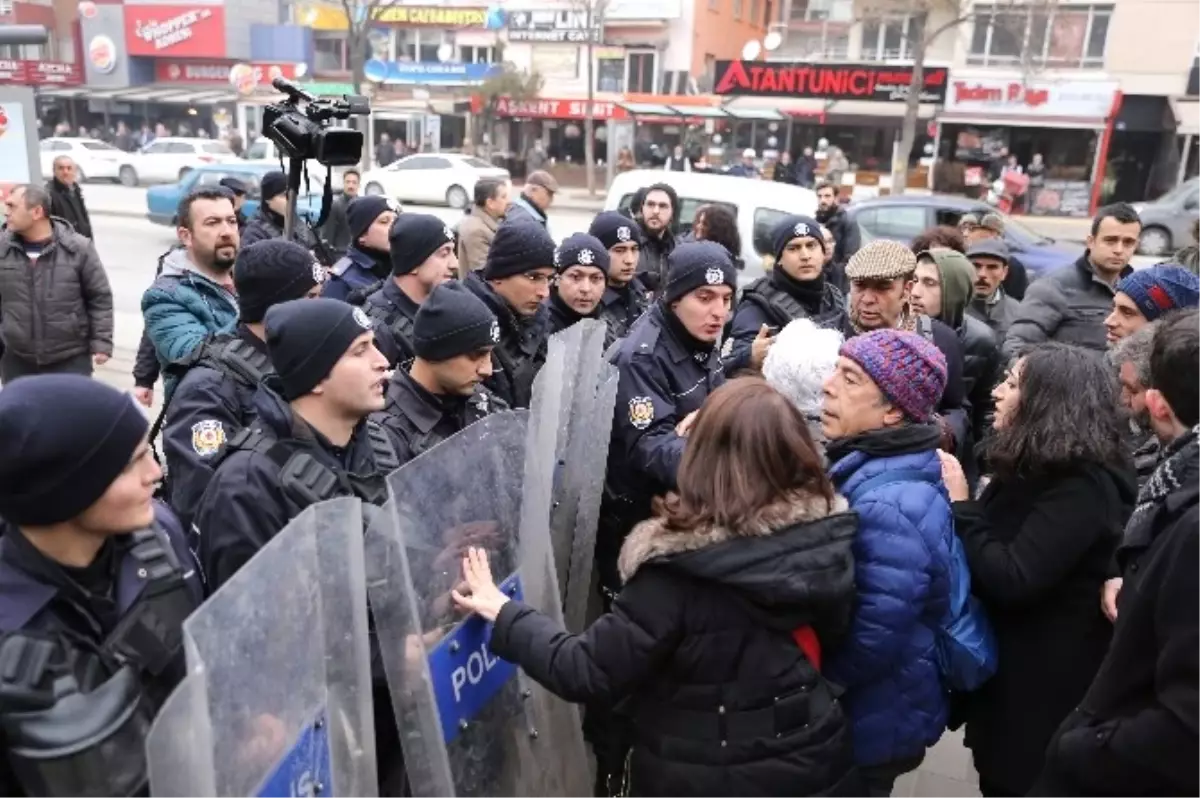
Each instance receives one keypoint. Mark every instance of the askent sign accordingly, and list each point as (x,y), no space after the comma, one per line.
(872,82)
(558,109)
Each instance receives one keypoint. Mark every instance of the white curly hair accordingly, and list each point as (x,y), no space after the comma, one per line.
(798,363)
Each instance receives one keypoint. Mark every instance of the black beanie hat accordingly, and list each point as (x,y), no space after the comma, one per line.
(414,237)
(273,184)
(519,246)
(581,249)
(362,212)
(696,264)
(64,438)
(451,322)
(307,337)
(791,227)
(233,184)
(614,228)
(272,271)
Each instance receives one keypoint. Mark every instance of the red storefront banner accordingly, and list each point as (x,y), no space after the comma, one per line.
(175,31)
(873,82)
(218,71)
(40,73)
(552,109)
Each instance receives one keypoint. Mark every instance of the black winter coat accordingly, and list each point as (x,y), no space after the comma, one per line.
(652,262)
(66,202)
(982,370)
(722,699)
(1039,550)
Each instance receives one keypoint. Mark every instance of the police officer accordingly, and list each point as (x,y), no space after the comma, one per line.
(215,396)
(795,289)
(422,257)
(442,392)
(238,189)
(581,266)
(95,583)
(513,283)
(367,262)
(310,442)
(626,298)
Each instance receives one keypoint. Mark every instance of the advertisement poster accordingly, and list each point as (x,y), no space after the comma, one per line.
(1062,198)
(14,148)
(175,31)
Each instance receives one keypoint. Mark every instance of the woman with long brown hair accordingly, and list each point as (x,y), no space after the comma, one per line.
(731,591)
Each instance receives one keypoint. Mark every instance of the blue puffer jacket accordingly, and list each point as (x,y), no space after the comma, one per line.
(901,567)
(183,307)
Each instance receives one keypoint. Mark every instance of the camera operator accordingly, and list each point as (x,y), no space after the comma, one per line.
(268,221)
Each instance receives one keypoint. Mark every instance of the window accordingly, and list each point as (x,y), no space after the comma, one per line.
(97,145)
(765,220)
(418,163)
(896,222)
(477,163)
(259,150)
(818,29)
(641,72)
(755,12)
(157,148)
(216,148)
(329,50)
(477,55)
(610,74)
(1067,36)
(181,148)
(889,39)
(737,9)
(55,146)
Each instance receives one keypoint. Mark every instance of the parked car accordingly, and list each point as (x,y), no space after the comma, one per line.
(758,204)
(163,201)
(94,159)
(1167,221)
(169,159)
(432,178)
(903,218)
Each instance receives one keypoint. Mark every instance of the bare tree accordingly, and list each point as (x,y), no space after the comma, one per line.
(508,83)
(360,16)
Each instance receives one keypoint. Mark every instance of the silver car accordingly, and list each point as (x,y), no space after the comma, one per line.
(1167,221)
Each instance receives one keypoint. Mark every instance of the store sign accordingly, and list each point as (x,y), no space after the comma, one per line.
(826,81)
(557,109)
(218,71)
(437,17)
(40,73)
(320,17)
(551,25)
(443,74)
(1077,99)
(166,31)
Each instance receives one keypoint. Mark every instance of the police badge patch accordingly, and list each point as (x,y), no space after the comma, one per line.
(318,273)
(208,437)
(449,233)
(624,234)
(727,347)
(641,411)
(801,229)
(361,318)
(714,276)
(585,257)
(495,332)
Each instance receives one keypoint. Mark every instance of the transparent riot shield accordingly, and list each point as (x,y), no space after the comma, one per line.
(277,700)
(471,723)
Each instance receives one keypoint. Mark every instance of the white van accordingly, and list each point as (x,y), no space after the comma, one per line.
(758,204)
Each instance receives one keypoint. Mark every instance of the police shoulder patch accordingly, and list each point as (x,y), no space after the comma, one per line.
(727,347)
(641,411)
(208,436)
(361,318)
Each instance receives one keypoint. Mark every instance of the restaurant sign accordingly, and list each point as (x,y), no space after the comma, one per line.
(40,73)
(872,82)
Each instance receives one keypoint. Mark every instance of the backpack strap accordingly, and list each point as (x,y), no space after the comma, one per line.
(892,475)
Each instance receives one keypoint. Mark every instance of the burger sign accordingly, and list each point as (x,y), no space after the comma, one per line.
(102,54)
(167,31)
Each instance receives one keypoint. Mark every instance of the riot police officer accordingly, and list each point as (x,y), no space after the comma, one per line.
(626,298)
(513,283)
(95,583)
(443,391)
(367,261)
(581,267)
(309,442)
(422,256)
(795,289)
(214,398)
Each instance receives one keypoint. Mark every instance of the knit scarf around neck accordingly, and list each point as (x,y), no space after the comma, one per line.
(907,322)
(1178,470)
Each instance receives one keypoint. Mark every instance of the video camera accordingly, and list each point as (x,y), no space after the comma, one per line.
(304,132)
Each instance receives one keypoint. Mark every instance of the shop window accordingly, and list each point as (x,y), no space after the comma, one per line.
(889,39)
(755,12)
(737,9)
(329,51)
(641,72)
(896,222)
(818,29)
(610,75)
(26,52)
(406,44)
(1069,36)
(477,55)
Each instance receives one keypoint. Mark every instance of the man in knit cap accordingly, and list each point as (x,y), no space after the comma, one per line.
(581,266)
(883,453)
(214,399)
(84,552)
(796,288)
(513,283)
(268,221)
(310,440)
(1147,294)
(422,256)
(442,392)
(626,298)
(367,261)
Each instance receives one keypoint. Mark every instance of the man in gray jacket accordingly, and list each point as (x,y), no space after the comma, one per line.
(1069,305)
(56,307)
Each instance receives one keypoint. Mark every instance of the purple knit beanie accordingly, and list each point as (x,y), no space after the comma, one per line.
(909,370)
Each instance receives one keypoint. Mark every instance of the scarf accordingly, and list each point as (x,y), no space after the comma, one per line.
(1178,470)
(809,293)
(907,322)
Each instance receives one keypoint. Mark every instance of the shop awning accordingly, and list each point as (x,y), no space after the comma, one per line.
(664,111)
(702,111)
(649,109)
(755,114)
(62,91)
(1001,120)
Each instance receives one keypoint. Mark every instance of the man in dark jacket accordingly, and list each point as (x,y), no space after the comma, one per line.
(238,189)
(992,304)
(1137,729)
(268,222)
(581,268)
(656,215)
(336,230)
(1130,358)
(56,307)
(367,262)
(625,299)
(979,228)
(1069,305)
(831,214)
(66,198)
(534,201)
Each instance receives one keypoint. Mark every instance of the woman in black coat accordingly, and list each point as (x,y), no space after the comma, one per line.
(731,592)
(1039,541)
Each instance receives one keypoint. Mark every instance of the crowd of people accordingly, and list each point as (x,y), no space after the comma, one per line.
(881,492)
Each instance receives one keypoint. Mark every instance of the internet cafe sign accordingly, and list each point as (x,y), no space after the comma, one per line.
(1030,98)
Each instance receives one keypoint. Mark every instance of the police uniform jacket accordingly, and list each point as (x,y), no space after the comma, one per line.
(522,348)
(393,313)
(357,271)
(416,420)
(621,307)
(271,471)
(560,315)
(212,403)
(775,301)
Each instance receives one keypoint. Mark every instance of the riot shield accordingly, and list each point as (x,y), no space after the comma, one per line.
(471,723)
(277,700)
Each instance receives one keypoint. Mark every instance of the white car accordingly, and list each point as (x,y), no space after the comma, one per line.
(169,159)
(432,178)
(94,159)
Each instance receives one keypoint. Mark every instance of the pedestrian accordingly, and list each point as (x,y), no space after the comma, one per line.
(1145,295)
(536,157)
(748,555)
(677,161)
(442,392)
(268,221)
(336,230)
(66,198)
(534,201)
(625,298)
(877,415)
(368,261)
(478,228)
(976,228)
(87,558)
(831,214)
(805,168)
(385,152)
(802,357)
(1130,358)
(1069,304)
(581,268)
(747,167)
(785,170)
(56,306)
(238,189)
(1135,729)
(656,214)
(715,222)
(992,304)
(1039,542)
